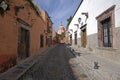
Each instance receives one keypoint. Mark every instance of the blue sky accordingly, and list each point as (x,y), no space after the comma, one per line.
(59,10)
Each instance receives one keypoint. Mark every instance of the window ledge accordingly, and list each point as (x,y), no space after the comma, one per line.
(107,48)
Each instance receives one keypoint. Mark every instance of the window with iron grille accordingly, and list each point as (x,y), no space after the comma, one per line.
(106,28)
(107,32)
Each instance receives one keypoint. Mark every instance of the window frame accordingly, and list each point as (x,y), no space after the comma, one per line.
(103,16)
(106,25)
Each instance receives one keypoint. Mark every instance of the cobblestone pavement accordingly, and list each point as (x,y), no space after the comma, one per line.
(55,65)
(84,67)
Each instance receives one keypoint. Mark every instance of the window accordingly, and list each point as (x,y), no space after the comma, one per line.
(107,32)
(41,40)
(106,28)
(48,27)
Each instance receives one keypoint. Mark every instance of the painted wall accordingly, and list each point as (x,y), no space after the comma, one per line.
(9,30)
(94,8)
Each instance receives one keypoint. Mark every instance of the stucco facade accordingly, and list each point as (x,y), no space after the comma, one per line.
(49,27)
(88,22)
(22,32)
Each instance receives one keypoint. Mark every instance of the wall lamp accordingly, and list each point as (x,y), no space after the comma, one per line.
(71,30)
(79,20)
(86,14)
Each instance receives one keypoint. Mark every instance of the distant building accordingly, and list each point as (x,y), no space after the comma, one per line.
(22,31)
(61,34)
(96,28)
(53,37)
(49,28)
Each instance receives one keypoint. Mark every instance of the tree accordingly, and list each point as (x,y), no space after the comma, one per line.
(62,35)
(69,20)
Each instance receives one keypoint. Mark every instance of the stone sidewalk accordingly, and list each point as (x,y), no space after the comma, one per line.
(83,65)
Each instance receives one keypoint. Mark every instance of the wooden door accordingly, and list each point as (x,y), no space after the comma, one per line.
(23,44)
(84,40)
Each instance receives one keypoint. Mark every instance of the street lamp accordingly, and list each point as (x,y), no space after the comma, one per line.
(86,14)
(71,30)
(79,20)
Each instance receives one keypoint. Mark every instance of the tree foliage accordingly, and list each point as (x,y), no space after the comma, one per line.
(69,20)
(62,35)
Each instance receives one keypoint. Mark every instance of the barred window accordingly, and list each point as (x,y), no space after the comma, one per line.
(106,28)
(107,32)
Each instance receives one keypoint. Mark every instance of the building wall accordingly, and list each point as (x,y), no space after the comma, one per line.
(109,53)
(37,30)
(8,34)
(94,9)
(49,29)
(9,31)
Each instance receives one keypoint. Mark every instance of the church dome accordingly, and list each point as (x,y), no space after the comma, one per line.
(61,29)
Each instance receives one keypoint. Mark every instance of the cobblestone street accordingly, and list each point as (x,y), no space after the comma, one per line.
(50,64)
(59,40)
(55,65)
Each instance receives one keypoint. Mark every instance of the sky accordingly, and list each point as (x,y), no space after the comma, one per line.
(59,10)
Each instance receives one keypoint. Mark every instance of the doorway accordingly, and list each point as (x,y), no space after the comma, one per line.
(41,41)
(23,43)
(71,39)
(84,38)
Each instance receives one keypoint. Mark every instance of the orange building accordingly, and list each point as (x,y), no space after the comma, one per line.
(49,29)
(22,31)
